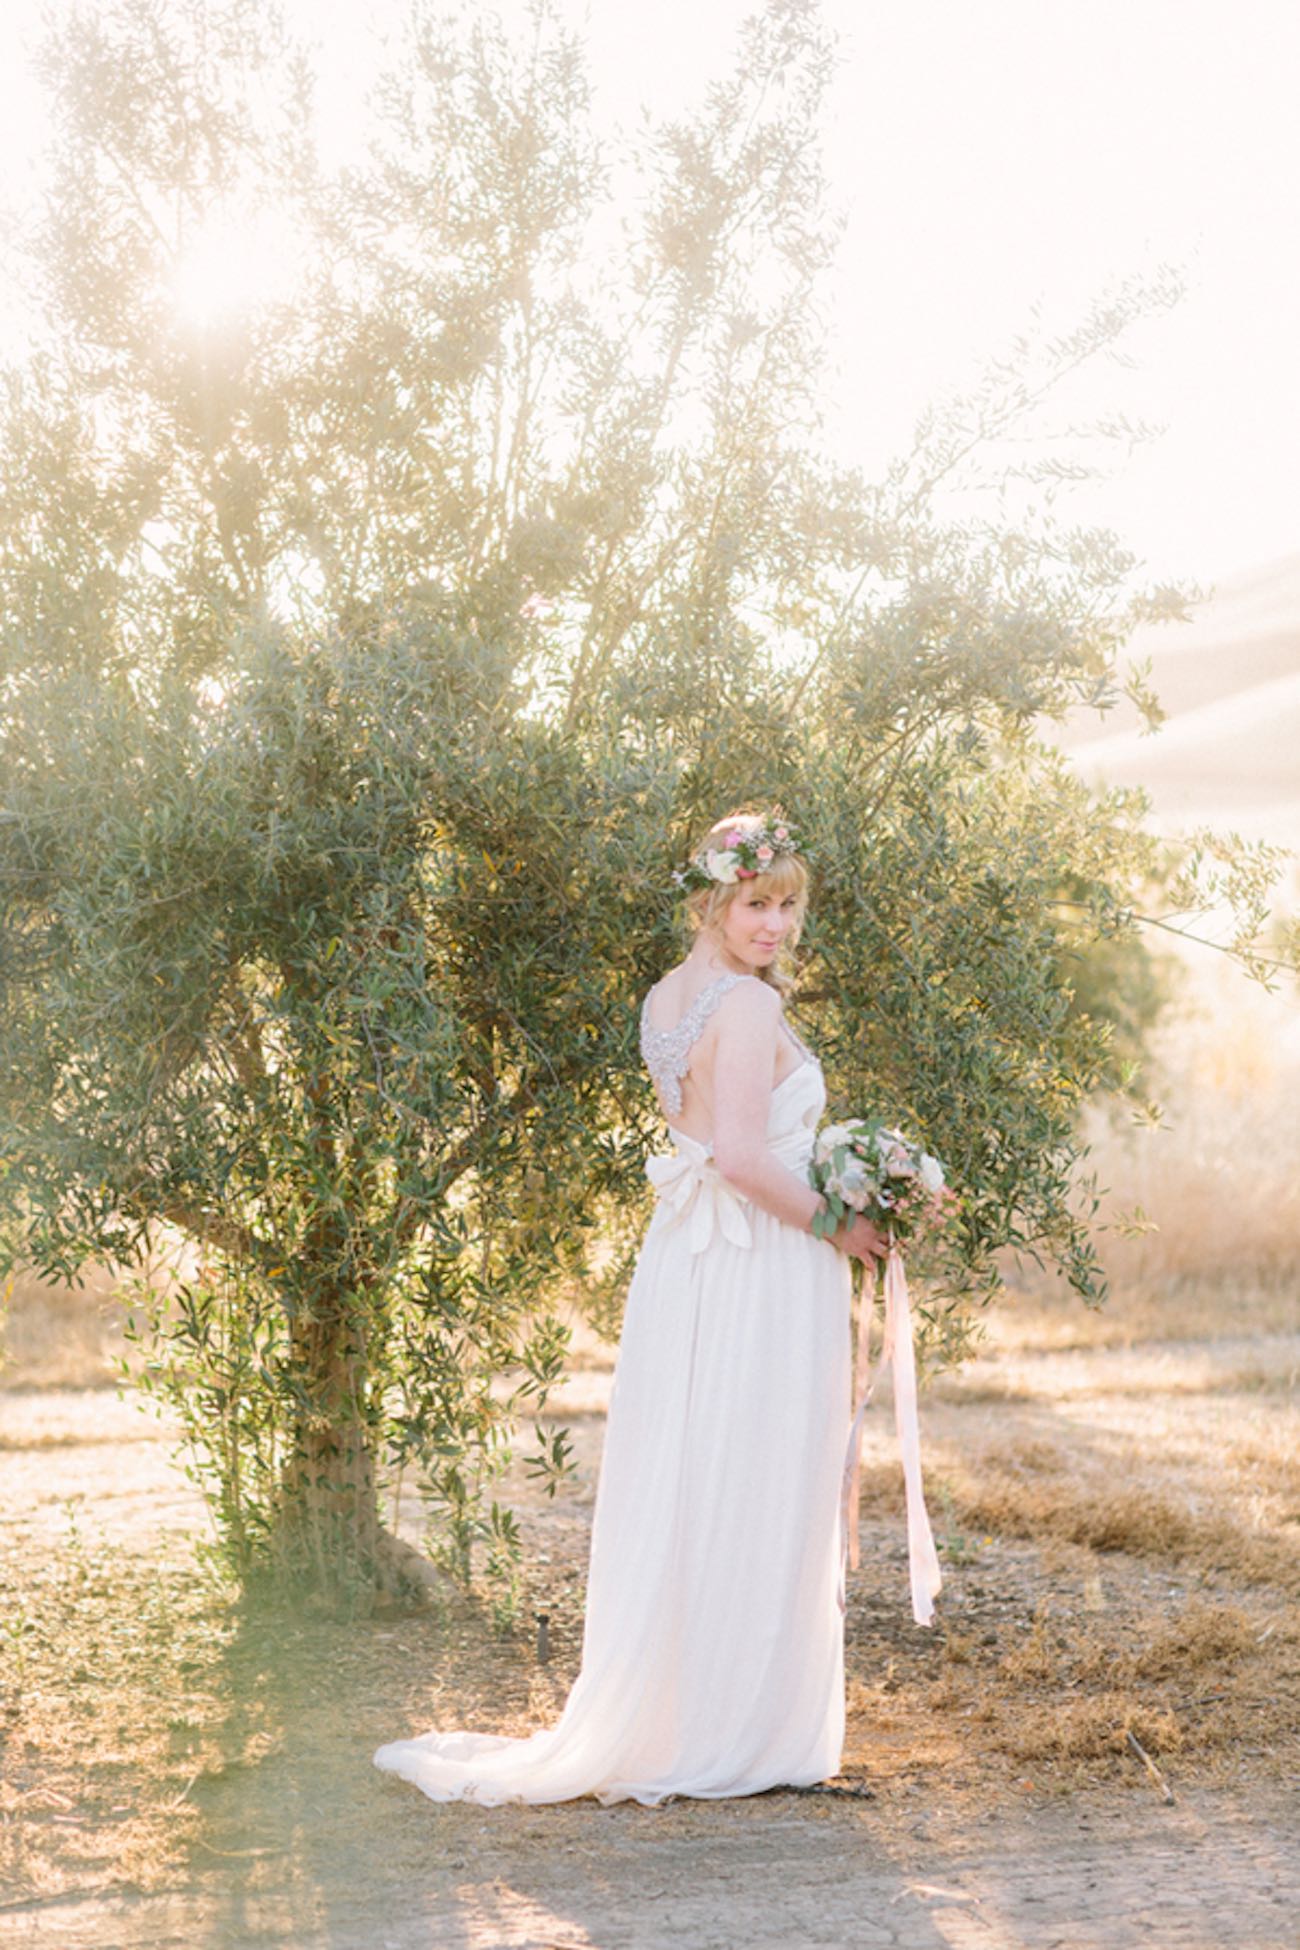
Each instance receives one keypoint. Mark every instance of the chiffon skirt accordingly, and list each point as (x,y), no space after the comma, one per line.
(713,1646)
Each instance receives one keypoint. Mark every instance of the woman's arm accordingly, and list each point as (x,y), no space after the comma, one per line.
(748,1027)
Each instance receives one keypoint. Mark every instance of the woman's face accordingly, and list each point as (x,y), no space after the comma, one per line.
(755,924)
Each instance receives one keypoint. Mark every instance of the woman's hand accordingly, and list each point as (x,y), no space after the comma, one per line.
(862,1240)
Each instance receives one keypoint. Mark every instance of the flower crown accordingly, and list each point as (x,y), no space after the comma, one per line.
(741,856)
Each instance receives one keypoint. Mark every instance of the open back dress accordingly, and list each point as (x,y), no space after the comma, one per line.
(713,1642)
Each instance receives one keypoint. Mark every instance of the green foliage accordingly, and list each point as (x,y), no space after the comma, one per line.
(1120,985)
(372,653)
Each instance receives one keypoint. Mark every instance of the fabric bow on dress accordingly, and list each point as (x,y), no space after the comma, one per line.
(695,1194)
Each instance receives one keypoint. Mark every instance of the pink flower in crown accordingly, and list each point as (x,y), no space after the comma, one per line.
(781,832)
(735,839)
(747,873)
(764,854)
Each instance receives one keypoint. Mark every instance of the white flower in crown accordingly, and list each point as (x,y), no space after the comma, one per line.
(744,856)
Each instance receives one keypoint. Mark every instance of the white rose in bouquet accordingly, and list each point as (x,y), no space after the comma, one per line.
(863,1166)
(853,1184)
(931,1173)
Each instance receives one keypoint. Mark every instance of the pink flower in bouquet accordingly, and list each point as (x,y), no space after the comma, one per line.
(864,1166)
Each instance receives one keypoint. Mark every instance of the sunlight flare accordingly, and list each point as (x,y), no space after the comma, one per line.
(235,264)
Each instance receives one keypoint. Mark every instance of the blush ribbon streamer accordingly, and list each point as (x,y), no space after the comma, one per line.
(697,1197)
(923,1559)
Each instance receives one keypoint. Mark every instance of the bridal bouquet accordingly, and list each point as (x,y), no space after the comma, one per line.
(867,1166)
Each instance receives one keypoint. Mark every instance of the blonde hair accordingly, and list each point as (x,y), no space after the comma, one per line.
(705,906)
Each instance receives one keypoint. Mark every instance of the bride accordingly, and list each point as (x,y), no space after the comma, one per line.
(713,1643)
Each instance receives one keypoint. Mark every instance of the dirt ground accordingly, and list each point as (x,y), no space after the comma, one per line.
(1117,1502)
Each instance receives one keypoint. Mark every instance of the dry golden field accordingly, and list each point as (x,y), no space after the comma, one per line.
(1097,1746)
(1117,1499)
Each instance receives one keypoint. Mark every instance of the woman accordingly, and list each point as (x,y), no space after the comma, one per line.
(713,1647)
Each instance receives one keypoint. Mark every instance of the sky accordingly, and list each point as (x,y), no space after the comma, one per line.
(991,159)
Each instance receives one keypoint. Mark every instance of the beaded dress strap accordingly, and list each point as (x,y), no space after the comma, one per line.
(797,1039)
(667,1052)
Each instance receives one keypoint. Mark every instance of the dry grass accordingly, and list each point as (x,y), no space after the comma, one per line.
(1218,1180)
(1043,1316)
(1201,1680)
(54,1336)
(1095,1511)
(1088,1729)
(1116,1499)
(1216,1684)
(105,1719)
(151,1731)
(1219,1177)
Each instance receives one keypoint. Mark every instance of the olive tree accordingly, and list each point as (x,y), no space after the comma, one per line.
(373,649)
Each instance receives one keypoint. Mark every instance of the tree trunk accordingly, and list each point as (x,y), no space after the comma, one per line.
(328,1532)
(328,1521)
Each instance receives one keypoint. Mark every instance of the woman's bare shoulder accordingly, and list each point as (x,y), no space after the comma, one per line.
(668,991)
(752,1003)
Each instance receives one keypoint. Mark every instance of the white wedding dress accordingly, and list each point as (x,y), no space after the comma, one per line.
(713,1646)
